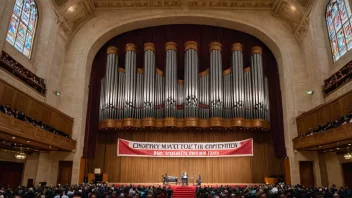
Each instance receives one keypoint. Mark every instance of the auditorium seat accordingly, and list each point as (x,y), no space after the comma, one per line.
(263,196)
(232,196)
(224,196)
(319,196)
(150,196)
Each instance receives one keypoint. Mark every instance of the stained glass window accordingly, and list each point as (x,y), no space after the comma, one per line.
(22,26)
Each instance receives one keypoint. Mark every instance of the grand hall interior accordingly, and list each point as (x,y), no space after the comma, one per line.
(175,98)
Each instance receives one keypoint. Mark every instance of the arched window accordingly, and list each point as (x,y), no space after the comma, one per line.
(23,24)
(339,22)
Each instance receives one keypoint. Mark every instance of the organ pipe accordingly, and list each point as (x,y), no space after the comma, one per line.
(139,94)
(180,99)
(171,79)
(267,108)
(204,94)
(248,99)
(227,94)
(257,82)
(148,92)
(102,100)
(149,80)
(216,100)
(159,96)
(121,94)
(130,81)
(237,79)
(191,80)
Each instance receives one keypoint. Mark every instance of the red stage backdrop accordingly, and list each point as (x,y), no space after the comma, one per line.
(206,149)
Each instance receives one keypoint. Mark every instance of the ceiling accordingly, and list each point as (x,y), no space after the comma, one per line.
(72,14)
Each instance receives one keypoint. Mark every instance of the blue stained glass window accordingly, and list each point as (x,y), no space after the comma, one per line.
(23,24)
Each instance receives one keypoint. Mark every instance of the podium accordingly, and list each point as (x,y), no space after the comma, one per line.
(269,180)
(102,177)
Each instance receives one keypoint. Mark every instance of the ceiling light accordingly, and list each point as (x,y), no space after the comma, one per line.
(49,146)
(338,148)
(310,92)
(293,8)
(349,144)
(57,93)
(13,138)
(319,146)
(28,141)
(330,149)
(71,9)
(347,156)
(21,156)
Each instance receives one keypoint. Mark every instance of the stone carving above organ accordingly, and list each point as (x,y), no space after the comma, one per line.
(293,13)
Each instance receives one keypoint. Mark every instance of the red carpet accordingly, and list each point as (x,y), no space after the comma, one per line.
(184,191)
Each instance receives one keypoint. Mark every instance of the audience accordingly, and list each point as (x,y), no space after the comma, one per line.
(105,190)
(341,77)
(21,72)
(347,118)
(6,109)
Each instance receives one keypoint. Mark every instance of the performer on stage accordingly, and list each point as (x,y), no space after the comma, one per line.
(199,180)
(184,178)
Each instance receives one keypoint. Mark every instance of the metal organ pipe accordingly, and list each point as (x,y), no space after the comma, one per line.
(204,94)
(267,107)
(111,82)
(139,94)
(216,100)
(248,99)
(102,100)
(237,80)
(171,80)
(180,99)
(258,82)
(227,96)
(191,80)
(159,94)
(121,94)
(130,81)
(149,80)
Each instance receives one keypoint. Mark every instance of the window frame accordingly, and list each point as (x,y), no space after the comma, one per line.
(35,30)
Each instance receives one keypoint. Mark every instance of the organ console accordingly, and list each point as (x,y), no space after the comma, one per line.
(140,97)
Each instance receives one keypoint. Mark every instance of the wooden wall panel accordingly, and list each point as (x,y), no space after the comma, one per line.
(213,170)
(38,110)
(324,113)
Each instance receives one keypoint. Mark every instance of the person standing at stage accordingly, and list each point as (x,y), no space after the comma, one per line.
(199,180)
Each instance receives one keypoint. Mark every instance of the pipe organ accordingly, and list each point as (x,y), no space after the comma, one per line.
(148,96)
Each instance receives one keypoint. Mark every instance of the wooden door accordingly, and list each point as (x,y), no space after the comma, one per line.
(306,172)
(65,172)
(30,183)
(11,173)
(347,174)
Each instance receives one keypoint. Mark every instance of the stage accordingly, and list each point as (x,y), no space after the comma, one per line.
(173,185)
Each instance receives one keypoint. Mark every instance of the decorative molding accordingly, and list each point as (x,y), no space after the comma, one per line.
(195,4)
(293,13)
(110,124)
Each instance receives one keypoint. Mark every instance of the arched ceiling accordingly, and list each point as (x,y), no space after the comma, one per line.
(74,13)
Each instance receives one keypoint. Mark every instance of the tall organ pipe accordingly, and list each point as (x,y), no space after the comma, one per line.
(258,82)
(191,80)
(159,94)
(237,79)
(102,100)
(180,99)
(149,80)
(227,89)
(139,94)
(216,100)
(171,80)
(204,94)
(130,81)
(267,107)
(121,94)
(111,82)
(248,99)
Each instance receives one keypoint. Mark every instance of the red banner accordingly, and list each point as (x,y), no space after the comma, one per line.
(205,149)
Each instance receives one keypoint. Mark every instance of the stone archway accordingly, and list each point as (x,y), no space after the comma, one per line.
(89,39)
